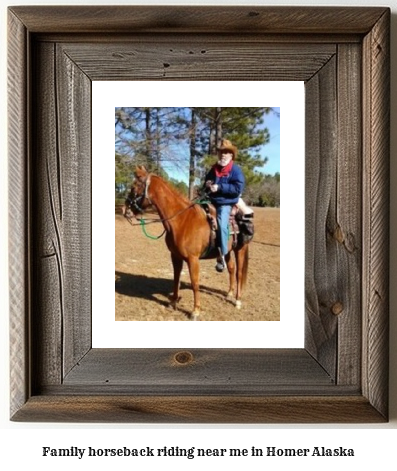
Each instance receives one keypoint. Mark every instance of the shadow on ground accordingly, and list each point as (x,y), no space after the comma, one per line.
(144,287)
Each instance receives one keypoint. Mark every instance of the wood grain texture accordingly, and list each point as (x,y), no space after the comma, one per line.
(199,409)
(341,375)
(156,370)
(48,252)
(333,215)
(62,208)
(18,213)
(346,228)
(74,144)
(189,19)
(321,278)
(376,90)
(224,57)
(155,39)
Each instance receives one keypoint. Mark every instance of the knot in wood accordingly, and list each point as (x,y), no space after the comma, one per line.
(183,358)
(338,235)
(337,308)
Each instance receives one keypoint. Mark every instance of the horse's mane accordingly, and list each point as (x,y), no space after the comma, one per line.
(173,189)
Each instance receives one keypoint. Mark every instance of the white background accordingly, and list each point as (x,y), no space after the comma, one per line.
(21,443)
(289,332)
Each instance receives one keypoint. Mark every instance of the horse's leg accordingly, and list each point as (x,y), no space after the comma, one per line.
(242,265)
(177,263)
(194,270)
(231,268)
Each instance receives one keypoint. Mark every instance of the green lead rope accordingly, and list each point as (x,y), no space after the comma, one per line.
(142,222)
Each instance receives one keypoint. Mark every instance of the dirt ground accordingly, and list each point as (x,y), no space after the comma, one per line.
(144,277)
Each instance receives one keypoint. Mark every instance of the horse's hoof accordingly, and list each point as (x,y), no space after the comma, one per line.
(174,302)
(230,297)
(238,304)
(194,316)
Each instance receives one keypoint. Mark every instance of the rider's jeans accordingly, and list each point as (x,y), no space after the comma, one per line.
(222,216)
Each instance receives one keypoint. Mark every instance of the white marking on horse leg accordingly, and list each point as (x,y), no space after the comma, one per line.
(230,296)
(194,316)
(238,304)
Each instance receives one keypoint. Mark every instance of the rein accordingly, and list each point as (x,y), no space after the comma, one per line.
(152,221)
(143,222)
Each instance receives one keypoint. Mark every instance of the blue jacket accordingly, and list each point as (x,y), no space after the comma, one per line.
(230,187)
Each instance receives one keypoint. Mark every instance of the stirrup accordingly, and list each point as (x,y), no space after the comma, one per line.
(220,264)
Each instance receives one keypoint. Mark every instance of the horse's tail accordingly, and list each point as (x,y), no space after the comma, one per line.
(245,267)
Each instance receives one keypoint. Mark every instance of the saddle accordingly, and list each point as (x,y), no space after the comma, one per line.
(241,227)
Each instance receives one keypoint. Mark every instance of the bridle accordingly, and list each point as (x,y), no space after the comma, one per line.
(137,201)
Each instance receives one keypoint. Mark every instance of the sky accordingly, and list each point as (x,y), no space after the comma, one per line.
(270,150)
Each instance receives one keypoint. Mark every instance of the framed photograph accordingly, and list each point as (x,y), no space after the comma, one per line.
(142,261)
(340,374)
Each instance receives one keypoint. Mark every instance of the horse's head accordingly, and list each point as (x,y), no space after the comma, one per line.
(138,200)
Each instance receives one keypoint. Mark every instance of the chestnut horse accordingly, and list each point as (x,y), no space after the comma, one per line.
(188,234)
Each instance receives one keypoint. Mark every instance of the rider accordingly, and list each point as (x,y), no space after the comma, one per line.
(225,183)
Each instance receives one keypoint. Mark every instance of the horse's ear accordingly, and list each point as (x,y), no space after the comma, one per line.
(140,172)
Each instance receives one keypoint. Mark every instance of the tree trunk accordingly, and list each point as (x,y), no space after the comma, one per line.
(218,121)
(158,139)
(148,139)
(192,160)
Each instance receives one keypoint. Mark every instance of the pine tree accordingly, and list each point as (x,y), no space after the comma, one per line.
(154,137)
(245,128)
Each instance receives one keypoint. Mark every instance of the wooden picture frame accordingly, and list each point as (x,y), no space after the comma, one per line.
(342,54)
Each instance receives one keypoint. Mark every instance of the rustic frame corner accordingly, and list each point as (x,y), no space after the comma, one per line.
(342,54)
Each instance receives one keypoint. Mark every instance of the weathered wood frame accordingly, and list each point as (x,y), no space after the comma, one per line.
(342,54)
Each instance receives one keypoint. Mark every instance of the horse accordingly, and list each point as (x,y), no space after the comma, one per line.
(188,235)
